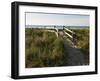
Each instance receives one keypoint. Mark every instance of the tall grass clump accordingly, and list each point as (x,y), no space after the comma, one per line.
(42,48)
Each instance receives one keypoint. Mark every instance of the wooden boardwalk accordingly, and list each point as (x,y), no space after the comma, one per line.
(73,55)
(68,34)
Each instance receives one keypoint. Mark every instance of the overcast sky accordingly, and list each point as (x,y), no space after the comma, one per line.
(56,19)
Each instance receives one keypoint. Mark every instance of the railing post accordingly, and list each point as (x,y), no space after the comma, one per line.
(63,30)
(72,37)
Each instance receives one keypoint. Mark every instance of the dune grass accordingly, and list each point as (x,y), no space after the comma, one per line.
(43,48)
(82,41)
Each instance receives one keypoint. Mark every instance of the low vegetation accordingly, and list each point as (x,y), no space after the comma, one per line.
(44,49)
(82,41)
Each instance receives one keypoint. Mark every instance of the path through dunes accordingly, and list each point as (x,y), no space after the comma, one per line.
(73,56)
(49,48)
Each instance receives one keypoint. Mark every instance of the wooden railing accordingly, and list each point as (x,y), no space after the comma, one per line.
(70,34)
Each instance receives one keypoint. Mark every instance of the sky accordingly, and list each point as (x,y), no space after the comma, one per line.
(56,19)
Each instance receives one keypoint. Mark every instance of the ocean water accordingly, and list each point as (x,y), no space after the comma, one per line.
(57,26)
(77,27)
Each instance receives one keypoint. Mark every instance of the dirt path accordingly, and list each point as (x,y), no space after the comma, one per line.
(73,56)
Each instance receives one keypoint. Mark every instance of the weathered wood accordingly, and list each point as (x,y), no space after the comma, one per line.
(68,30)
(57,31)
(68,34)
